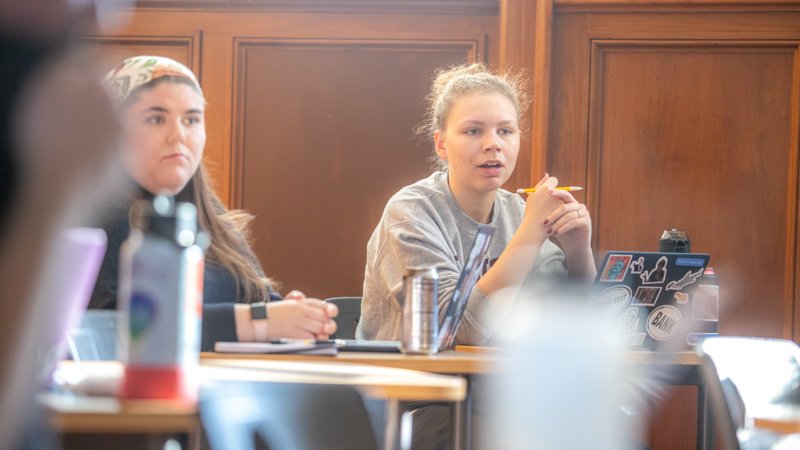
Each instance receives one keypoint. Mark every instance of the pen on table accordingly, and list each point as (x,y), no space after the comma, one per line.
(561,188)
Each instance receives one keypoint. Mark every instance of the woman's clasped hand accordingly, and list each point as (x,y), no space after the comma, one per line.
(303,319)
(558,214)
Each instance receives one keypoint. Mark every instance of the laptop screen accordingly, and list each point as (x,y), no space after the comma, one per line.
(469,276)
(647,300)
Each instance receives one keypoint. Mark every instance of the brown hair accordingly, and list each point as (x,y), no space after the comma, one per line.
(228,229)
(230,243)
(453,82)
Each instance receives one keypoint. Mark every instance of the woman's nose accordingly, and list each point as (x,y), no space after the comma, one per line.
(491,143)
(176,132)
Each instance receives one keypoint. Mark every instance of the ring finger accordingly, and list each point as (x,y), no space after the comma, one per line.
(560,212)
(572,216)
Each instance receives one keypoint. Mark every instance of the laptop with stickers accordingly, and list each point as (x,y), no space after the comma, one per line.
(647,300)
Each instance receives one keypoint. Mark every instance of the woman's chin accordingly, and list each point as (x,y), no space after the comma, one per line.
(493,184)
(169,187)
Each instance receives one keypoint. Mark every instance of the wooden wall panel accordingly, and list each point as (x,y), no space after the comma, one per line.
(324,141)
(111,50)
(686,117)
(217,23)
(688,121)
(270,69)
(698,136)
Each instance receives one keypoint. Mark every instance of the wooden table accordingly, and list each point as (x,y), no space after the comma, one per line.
(782,419)
(82,414)
(67,413)
(446,362)
(683,369)
(452,362)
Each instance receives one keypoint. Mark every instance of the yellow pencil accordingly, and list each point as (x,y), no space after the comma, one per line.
(562,188)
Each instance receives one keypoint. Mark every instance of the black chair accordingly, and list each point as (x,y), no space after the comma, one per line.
(743,374)
(349,315)
(241,415)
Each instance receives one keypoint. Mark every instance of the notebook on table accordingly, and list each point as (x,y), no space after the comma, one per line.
(646,300)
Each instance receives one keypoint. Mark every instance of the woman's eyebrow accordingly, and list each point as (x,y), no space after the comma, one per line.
(481,123)
(154,108)
(164,110)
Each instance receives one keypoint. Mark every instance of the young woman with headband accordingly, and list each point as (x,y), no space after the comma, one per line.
(161,106)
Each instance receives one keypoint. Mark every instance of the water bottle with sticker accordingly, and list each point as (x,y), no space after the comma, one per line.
(161,292)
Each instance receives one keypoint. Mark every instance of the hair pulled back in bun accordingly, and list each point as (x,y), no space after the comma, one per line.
(453,82)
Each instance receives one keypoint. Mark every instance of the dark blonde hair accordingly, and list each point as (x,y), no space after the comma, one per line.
(453,82)
(228,229)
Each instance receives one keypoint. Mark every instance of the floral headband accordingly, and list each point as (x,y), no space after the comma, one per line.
(135,72)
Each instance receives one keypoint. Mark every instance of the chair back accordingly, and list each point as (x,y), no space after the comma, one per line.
(349,315)
(285,416)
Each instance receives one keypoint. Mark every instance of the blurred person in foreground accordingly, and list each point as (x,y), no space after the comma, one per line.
(161,106)
(562,385)
(57,134)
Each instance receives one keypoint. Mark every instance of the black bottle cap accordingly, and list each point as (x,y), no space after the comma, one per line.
(674,241)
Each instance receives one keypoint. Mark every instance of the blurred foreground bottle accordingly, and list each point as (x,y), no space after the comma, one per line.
(161,288)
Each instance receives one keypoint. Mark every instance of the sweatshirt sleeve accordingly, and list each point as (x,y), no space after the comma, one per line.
(548,271)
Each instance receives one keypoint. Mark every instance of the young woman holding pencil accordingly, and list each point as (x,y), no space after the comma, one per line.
(161,106)
(474,119)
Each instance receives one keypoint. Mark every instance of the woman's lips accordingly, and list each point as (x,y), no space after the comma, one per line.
(176,156)
(491,168)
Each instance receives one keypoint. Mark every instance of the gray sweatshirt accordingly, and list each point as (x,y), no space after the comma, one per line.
(423,224)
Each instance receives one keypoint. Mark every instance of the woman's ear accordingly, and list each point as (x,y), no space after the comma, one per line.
(438,137)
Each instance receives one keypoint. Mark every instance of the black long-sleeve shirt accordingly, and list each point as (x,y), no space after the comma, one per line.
(219,288)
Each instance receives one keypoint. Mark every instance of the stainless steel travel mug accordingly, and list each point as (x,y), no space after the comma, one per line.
(420,315)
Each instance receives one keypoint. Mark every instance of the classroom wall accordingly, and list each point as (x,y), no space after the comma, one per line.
(677,115)
(311,111)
